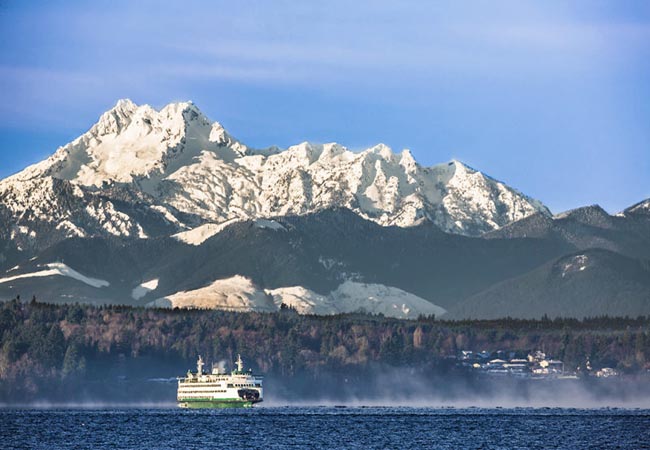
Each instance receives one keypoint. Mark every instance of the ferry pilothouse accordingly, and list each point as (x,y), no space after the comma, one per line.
(219,389)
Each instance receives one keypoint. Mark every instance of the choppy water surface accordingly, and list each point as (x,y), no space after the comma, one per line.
(324,427)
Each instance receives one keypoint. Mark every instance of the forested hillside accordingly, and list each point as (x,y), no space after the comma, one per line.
(68,351)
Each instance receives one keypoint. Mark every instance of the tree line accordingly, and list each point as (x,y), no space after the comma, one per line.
(44,345)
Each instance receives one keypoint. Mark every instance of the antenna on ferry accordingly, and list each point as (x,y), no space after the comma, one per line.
(240,364)
(199,366)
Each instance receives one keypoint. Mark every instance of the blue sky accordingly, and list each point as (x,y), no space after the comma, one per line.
(552,97)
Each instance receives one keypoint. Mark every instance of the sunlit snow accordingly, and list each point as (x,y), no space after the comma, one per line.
(240,294)
(577,263)
(141,290)
(200,234)
(189,164)
(232,294)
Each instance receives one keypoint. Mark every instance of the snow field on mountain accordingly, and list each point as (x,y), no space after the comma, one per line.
(202,233)
(144,288)
(303,300)
(231,294)
(61,269)
(379,299)
(240,294)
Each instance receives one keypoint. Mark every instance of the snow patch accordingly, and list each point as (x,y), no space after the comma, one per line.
(390,301)
(577,263)
(270,224)
(231,294)
(200,234)
(59,269)
(303,300)
(330,263)
(240,294)
(642,207)
(143,289)
(352,296)
(71,229)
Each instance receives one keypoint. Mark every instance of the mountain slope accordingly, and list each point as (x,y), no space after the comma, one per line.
(583,284)
(319,252)
(40,212)
(639,209)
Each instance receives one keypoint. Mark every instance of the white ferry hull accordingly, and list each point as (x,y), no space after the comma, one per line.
(237,389)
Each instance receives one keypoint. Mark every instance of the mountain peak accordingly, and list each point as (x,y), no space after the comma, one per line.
(124,104)
(407,161)
(382,150)
(116,118)
(589,210)
(183,108)
(641,208)
(191,164)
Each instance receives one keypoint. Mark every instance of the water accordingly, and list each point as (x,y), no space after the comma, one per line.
(325,427)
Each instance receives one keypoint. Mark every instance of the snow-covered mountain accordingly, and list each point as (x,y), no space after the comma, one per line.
(166,208)
(141,173)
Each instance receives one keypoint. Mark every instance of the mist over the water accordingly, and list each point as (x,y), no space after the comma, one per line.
(386,387)
(400,387)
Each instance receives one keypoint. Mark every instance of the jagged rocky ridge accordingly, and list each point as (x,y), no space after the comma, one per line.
(166,208)
(187,170)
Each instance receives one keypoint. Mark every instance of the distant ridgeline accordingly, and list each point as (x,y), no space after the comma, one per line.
(81,353)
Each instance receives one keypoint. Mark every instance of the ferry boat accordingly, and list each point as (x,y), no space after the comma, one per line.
(219,389)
